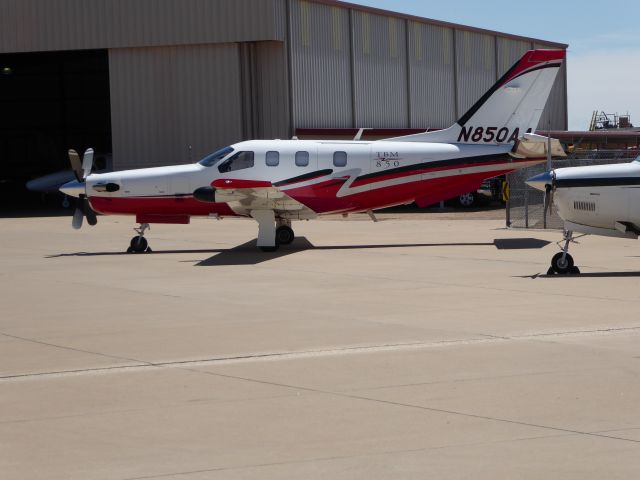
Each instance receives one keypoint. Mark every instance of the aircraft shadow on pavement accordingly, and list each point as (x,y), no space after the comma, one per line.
(519,243)
(111,254)
(248,253)
(584,275)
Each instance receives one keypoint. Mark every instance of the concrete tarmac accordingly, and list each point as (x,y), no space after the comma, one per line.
(404,349)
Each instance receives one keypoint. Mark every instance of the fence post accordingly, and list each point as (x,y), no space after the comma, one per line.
(526,207)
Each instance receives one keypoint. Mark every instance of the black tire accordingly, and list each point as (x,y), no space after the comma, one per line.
(284,235)
(269,249)
(562,267)
(138,245)
(468,200)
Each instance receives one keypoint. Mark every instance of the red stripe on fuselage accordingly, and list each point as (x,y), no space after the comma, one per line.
(320,197)
(182,205)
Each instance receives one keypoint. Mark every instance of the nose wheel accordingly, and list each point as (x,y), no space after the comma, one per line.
(562,262)
(139,244)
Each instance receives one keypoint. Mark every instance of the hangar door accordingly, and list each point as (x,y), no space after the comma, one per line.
(49,102)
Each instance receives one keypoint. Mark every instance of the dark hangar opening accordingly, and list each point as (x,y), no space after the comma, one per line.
(50,102)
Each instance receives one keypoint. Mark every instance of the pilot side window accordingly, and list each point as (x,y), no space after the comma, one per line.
(272,159)
(239,161)
(340,159)
(302,159)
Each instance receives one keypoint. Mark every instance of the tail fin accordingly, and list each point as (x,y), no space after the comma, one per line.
(509,109)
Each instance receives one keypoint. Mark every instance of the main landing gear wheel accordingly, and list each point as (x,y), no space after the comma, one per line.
(467,200)
(284,235)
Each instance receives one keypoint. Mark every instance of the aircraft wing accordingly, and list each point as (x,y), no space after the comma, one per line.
(243,196)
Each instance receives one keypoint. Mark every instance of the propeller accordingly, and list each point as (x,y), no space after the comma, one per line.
(549,188)
(81,170)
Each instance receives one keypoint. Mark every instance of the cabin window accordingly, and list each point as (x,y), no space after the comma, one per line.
(239,161)
(214,157)
(340,159)
(302,159)
(272,159)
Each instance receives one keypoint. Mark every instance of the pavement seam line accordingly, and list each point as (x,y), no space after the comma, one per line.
(346,457)
(63,347)
(274,356)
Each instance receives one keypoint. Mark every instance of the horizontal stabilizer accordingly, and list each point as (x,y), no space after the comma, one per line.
(535,146)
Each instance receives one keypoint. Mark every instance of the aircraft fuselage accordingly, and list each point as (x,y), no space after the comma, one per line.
(325,176)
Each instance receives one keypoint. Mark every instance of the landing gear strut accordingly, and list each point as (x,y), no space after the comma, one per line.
(272,231)
(139,244)
(562,262)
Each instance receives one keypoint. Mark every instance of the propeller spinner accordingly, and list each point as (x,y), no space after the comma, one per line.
(546,182)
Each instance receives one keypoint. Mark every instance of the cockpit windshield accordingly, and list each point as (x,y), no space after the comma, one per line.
(214,157)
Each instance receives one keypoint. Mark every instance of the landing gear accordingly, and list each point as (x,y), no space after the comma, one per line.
(139,244)
(467,200)
(272,232)
(284,235)
(562,262)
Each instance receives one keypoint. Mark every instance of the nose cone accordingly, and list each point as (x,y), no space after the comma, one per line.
(73,188)
(541,180)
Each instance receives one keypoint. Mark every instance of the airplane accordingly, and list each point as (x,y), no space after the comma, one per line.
(591,200)
(278,181)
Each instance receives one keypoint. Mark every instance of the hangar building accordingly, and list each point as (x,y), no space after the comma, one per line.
(155,82)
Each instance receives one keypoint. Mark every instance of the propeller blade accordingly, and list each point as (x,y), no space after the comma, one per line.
(88,212)
(547,192)
(548,199)
(78,216)
(76,164)
(87,163)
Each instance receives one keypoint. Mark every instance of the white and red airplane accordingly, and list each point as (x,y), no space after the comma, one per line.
(277,181)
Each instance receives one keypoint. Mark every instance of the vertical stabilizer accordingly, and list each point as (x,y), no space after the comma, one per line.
(511,108)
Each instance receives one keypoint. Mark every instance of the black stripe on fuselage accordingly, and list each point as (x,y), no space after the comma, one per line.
(453,162)
(302,178)
(596,182)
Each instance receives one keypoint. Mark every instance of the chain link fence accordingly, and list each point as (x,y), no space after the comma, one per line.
(525,208)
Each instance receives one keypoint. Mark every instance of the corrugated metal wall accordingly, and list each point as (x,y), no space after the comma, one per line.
(475,66)
(387,72)
(432,73)
(509,52)
(165,99)
(175,82)
(380,71)
(45,25)
(320,66)
(272,91)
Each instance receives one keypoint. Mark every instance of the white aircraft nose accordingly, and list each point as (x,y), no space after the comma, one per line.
(540,181)
(73,188)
